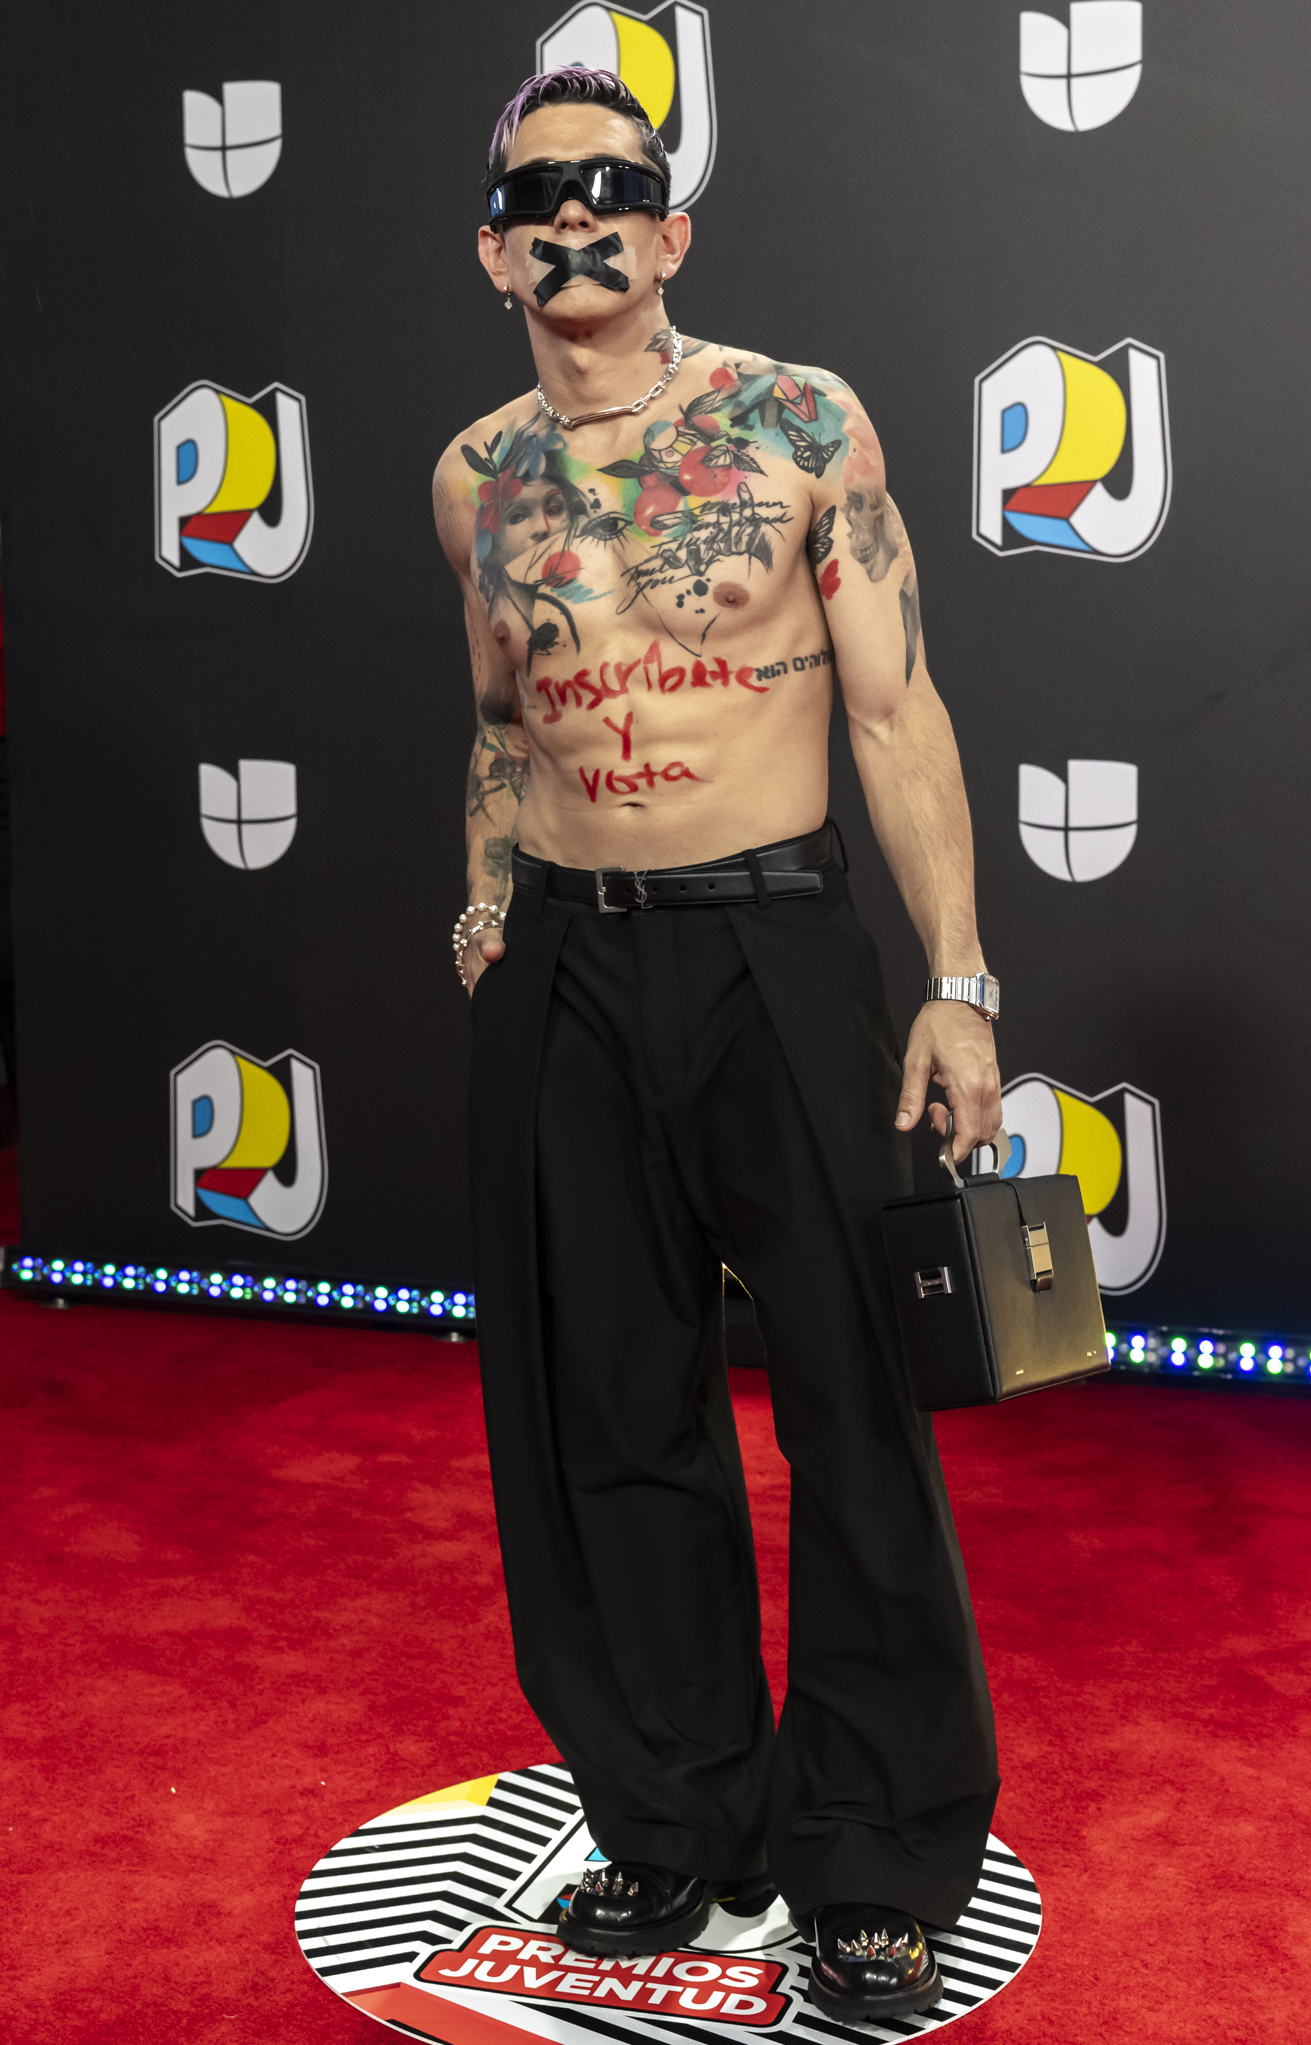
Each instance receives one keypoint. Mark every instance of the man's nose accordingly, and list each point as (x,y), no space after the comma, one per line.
(573,214)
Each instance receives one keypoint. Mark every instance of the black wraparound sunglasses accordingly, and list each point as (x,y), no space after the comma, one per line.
(604,184)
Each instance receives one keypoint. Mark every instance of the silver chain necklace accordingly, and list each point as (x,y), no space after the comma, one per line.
(618,411)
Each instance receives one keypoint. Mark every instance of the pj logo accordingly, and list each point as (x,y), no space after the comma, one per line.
(248,1141)
(1071,451)
(1112,1143)
(675,85)
(232,484)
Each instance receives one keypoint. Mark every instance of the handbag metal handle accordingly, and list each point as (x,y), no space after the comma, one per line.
(1037,1249)
(1001,1143)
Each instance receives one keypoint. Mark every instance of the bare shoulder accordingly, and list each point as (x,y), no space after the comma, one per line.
(753,363)
(464,464)
(860,429)
(822,421)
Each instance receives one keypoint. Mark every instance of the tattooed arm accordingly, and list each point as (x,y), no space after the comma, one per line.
(498,779)
(498,765)
(909,768)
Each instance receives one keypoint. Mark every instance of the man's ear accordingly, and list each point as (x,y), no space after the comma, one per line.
(491,254)
(675,235)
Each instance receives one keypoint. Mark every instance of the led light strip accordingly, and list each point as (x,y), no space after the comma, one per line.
(1159,1352)
(144,1284)
(1240,1359)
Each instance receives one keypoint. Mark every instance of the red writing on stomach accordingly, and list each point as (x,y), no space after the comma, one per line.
(612,681)
(620,782)
(686,1984)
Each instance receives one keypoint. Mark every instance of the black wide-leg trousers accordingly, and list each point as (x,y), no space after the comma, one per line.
(654,1094)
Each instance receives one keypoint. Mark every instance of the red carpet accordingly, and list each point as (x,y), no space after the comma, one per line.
(255,1599)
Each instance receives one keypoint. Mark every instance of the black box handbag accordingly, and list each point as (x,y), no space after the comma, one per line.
(995,1286)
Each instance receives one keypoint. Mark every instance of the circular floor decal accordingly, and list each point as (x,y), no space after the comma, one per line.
(437,1918)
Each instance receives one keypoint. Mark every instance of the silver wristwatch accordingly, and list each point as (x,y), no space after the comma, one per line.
(980,990)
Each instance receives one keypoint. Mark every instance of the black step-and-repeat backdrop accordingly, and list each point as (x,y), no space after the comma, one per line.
(1062,256)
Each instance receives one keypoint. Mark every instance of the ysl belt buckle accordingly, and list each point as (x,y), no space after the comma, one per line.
(603,875)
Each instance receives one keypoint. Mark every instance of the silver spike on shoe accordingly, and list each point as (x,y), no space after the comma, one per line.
(605,1881)
(862,1947)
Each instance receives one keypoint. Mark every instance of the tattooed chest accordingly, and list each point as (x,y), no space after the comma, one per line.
(683,535)
(552,553)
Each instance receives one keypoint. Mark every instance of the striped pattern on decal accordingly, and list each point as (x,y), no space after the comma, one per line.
(412,1880)
(407,1882)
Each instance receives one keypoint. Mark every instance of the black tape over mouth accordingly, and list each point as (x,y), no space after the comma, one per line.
(588,261)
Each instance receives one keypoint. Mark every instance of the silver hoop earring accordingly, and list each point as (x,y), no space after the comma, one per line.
(509,301)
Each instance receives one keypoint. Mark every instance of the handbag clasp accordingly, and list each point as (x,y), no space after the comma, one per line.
(1038,1251)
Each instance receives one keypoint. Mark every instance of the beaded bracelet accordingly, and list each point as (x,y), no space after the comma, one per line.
(495,919)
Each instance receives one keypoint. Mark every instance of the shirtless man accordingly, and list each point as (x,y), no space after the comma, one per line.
(682,1056)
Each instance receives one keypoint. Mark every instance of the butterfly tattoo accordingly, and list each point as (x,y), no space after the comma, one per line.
(810,455)
(820,543)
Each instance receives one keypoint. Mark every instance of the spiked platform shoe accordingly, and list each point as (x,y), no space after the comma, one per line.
(871,1963)
(630,1907)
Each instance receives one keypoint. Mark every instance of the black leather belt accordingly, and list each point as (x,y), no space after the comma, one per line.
(794,866)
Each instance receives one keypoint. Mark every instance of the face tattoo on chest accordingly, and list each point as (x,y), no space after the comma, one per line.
(564,264)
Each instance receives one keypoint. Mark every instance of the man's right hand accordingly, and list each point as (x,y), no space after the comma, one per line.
(484,948)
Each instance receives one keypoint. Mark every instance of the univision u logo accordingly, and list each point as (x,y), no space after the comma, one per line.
(1081,828)
(674,84)
(1084,75)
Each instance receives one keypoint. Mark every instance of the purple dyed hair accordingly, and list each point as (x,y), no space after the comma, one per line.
(595,88)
